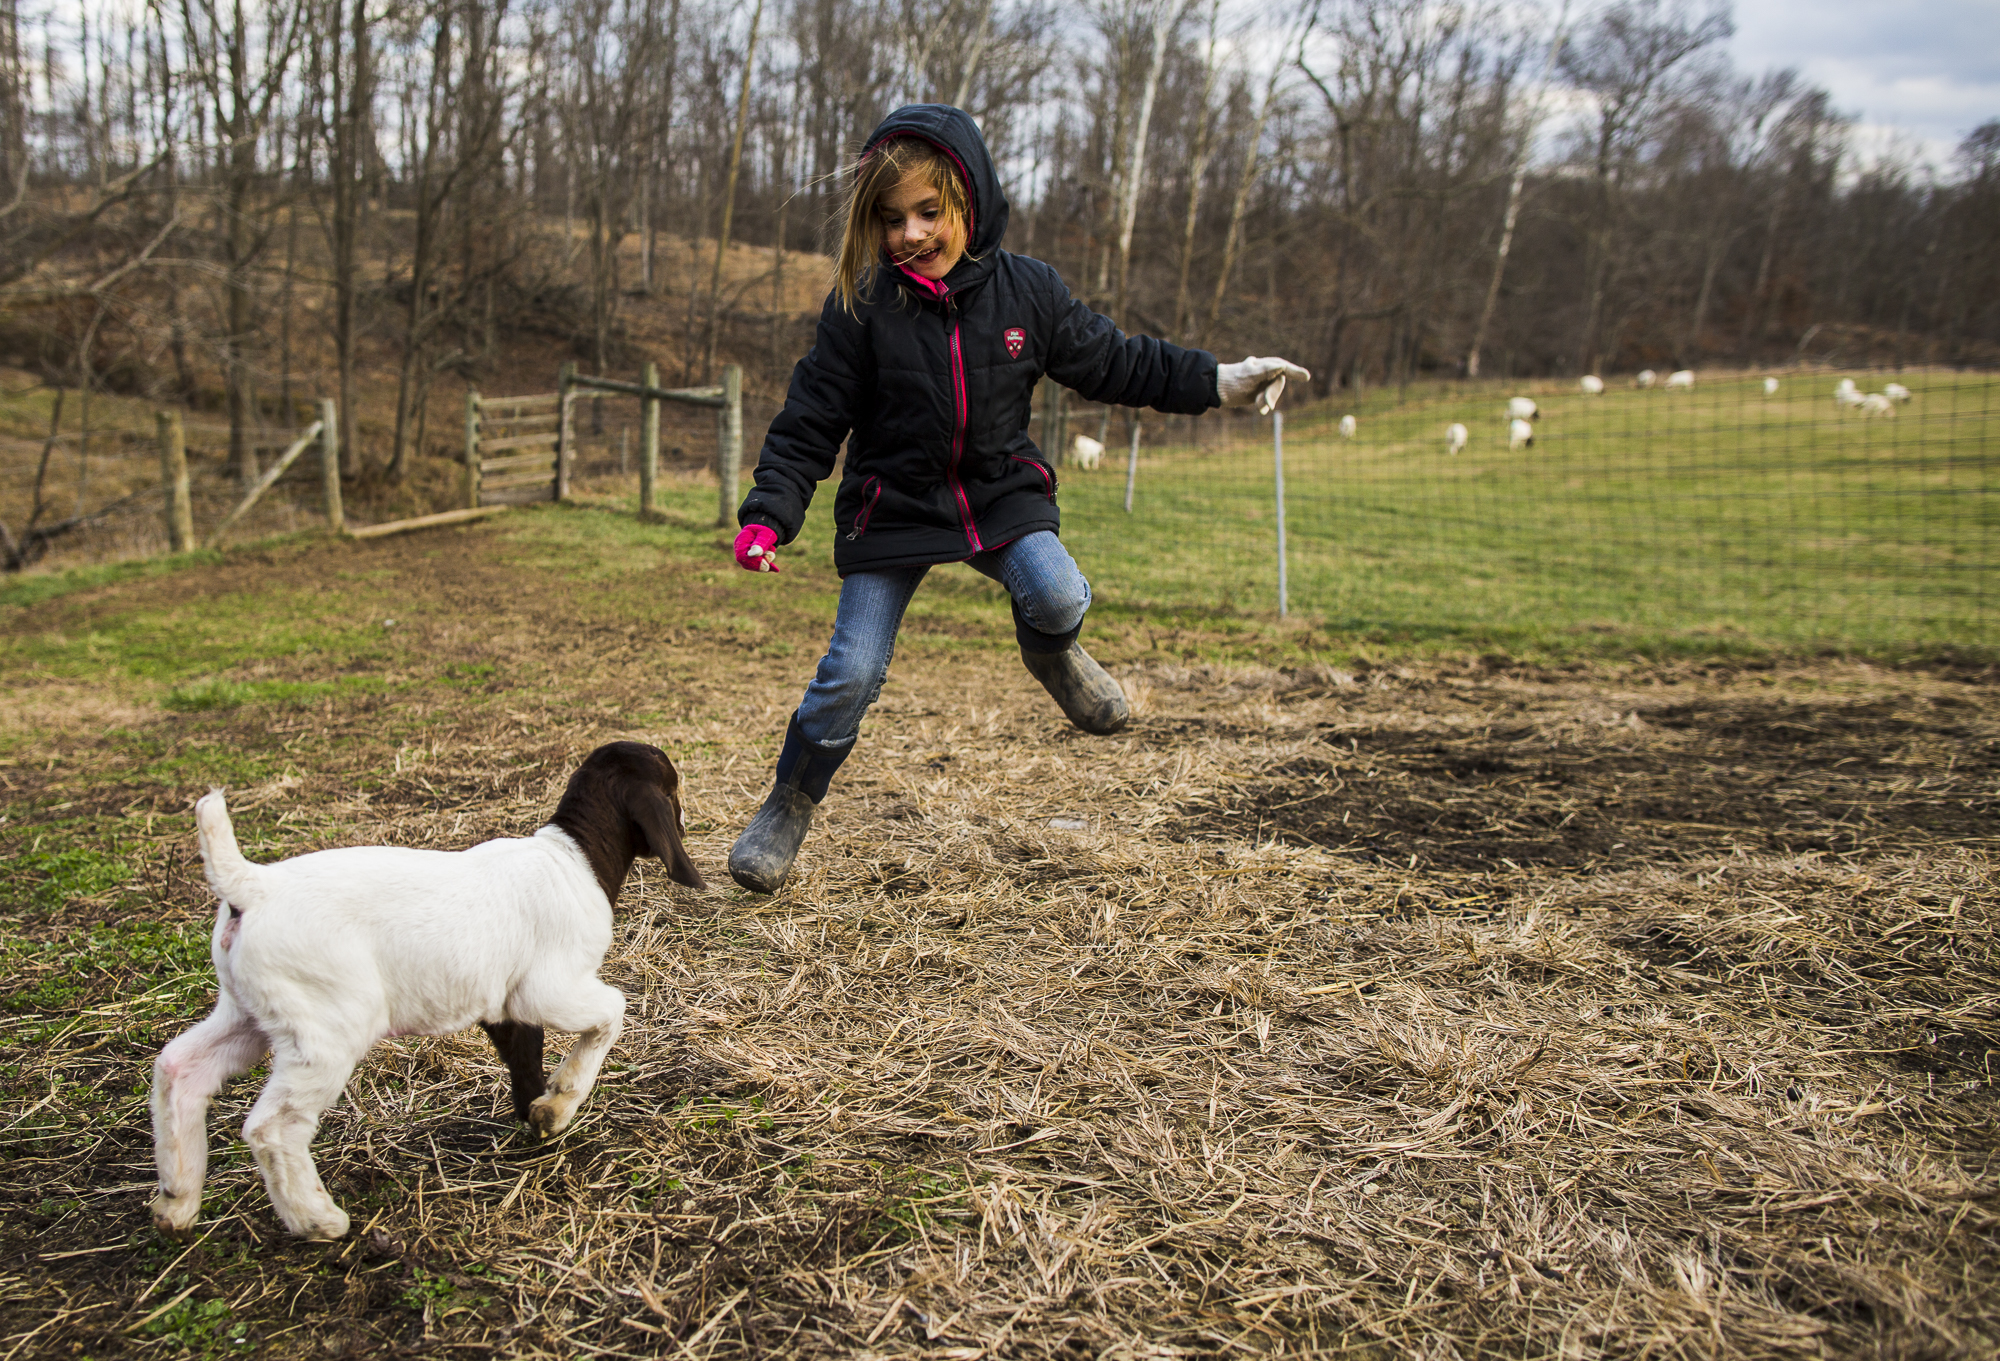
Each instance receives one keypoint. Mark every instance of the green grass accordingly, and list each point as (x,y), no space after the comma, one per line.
(1716,521)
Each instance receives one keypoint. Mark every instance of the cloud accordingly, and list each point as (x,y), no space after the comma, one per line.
(1925,74)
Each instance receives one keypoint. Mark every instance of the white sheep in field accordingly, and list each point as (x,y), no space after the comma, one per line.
(1455,436)
(1522,408)
(1770,387)
(1520,435)
(1876,404)
(1845,385)
(1348,427)
(1896,392)
(1645,378)
(1681,378)
(1847,395)
(318,957)
(1591,385)
(1085,452)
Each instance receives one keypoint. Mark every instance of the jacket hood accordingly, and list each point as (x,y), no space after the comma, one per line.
(953,131)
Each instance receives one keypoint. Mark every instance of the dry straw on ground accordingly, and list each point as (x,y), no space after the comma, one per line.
(1072,1046)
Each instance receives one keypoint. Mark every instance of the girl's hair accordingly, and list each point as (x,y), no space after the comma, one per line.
(878,172)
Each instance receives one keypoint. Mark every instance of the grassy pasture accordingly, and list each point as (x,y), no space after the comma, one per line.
(1357,1001)
(1656,521)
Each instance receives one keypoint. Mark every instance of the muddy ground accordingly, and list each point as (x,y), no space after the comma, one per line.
(1446,1007)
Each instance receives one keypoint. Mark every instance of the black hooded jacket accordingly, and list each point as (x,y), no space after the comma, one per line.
(932,393)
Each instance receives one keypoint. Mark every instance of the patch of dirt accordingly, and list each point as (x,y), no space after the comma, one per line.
(1587,788)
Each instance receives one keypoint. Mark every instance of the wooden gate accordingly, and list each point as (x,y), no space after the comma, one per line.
(520,449)
(513,449)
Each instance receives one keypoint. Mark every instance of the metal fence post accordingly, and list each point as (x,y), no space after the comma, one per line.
(174,479)
(1132,467)
(649,446)
(329,464)
(1278,464)
(729,442)
(472,448)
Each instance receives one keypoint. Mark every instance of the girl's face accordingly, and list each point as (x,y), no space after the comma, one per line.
(915,232)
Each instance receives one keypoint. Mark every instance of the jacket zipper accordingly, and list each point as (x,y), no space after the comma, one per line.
(871,491)
(1048,483)
(958,423)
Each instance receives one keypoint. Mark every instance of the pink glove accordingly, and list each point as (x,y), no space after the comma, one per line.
(756,549)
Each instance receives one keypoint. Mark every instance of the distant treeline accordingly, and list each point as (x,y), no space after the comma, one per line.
(1378,188)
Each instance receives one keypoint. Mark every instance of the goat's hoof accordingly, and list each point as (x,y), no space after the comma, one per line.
(174,1215)
(323,1225)
(550,1115)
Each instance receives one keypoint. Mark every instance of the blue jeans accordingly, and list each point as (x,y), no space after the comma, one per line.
(1050,596)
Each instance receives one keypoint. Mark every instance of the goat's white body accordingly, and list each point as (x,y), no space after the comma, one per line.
(320,956)
(1645,378)
(1522,408)
(1681,378)
(1875,404)
(1520,435)
(1085,452)
(1591,385)
(1349,427)
(1455,436)
(1770,387)
(1896,392)
(417,942)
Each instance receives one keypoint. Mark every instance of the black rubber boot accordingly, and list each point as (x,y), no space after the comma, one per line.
(761,860)
(1088,695)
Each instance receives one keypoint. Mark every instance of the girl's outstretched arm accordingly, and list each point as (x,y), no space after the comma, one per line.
(804,439)
(1091,355)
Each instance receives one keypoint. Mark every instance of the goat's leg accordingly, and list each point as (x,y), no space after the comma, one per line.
(186,1074)
(520,1046)
(595,1011)
(280,1130)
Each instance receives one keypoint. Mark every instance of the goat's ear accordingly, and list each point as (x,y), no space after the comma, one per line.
(657,817)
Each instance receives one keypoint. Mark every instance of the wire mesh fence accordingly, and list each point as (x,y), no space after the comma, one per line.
(1716,512)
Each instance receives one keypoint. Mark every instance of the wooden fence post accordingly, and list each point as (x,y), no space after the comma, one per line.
(174,480)
(729,442)
(472,448)
(329,464)
(565,428)
(649,447)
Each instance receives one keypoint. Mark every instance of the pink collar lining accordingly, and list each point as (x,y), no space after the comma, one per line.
(935,286)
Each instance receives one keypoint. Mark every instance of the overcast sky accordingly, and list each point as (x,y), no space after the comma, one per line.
(1929,70)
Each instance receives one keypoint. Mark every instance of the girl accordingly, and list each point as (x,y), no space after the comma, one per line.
(927,356)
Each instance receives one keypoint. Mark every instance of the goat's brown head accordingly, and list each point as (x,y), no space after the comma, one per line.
(624,801)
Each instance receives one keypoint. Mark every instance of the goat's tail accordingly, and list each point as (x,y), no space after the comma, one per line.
(228,872)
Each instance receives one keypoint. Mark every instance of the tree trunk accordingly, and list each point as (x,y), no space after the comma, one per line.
(729,194)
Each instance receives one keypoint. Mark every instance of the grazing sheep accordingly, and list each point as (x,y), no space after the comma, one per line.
(1522,408)
(1681,378)
(1348,427)
(1645,378)
(1591,384)
(320,956)
(1520,435)
(1847,395)
(1085,452)
(1770,387)
(1896,392)
(1877,404)
(1455,436)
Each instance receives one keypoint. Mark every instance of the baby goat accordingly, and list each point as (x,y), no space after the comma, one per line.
(320,956)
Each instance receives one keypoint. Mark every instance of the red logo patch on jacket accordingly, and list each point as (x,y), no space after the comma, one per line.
(1015,338)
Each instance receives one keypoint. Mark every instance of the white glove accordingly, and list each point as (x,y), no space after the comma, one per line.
(1261,379)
